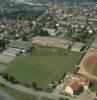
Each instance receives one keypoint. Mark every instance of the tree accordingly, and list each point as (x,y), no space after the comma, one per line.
(5,76)
(43,33)
(2,85)
(40,32)
(35,32)
(34,85)
(81,89)
(83,35)
(24,38)
(11,79)
(61,99)
(91,84)
(27,85)
(2,44)
(68,34)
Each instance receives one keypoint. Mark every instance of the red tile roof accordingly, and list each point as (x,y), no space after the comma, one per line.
(84,79)
(74,84)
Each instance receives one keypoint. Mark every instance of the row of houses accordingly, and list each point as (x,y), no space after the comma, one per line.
(57,42)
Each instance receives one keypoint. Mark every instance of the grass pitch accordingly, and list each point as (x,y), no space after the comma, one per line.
(43,65)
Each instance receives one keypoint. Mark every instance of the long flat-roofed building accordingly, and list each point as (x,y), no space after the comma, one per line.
(77,46)
(51,42)
(22,45)
(12,52)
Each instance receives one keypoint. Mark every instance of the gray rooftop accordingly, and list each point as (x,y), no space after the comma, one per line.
(78,45)
(20,44)
(12,51)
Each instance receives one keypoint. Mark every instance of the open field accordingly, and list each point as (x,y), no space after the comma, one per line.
(43,65)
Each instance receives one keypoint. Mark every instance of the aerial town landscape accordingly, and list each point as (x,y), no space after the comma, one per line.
(48,50)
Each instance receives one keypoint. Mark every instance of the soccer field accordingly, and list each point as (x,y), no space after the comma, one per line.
(43,68)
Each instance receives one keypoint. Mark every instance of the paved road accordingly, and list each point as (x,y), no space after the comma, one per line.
(4,96)
(31,91)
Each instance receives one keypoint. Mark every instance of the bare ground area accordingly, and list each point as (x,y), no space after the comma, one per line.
(6,59)
(88,63)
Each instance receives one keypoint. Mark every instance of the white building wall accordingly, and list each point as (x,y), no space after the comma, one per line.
(86,87)
(69,90)
(76,49)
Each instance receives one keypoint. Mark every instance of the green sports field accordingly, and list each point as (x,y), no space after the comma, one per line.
(43,65)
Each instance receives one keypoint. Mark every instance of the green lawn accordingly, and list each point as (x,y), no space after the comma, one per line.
(43,68)
(95,70)
(17,95)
